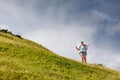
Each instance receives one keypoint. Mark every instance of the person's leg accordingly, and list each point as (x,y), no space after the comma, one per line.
(84,58)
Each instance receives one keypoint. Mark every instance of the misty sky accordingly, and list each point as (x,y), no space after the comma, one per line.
(60,25)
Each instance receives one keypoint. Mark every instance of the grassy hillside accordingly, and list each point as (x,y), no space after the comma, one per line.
(21,59)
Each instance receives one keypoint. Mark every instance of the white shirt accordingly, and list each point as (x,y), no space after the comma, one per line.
(82,48)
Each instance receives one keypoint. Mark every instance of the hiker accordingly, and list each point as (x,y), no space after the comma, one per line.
(83,51)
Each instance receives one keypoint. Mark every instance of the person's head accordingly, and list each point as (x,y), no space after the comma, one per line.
(82,42)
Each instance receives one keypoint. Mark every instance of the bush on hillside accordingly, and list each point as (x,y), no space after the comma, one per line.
(9,32)
(100,64)
(19,36)
(4,30)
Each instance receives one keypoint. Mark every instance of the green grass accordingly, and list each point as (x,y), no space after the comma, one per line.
(21,59)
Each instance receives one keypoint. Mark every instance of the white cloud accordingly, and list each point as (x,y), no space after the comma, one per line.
(100,16)
(113,29)
(5,27)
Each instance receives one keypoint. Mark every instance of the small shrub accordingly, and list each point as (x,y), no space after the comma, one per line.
(19,36)
(100,64)
(4,30)
(9,32)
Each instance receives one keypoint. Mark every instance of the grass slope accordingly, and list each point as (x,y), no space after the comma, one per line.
(21,59)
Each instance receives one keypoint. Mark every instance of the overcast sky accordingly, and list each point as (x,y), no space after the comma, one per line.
(60,25)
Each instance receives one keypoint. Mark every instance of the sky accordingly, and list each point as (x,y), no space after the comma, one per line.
(60,25)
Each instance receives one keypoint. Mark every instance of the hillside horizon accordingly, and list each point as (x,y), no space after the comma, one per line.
(22,59)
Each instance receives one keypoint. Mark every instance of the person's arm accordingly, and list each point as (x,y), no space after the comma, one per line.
(86,46)
(77,48)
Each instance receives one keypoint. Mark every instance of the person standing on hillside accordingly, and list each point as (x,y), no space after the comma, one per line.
(83,51)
